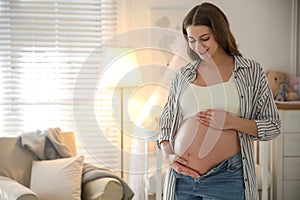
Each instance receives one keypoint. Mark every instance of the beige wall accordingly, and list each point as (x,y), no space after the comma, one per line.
(262,28)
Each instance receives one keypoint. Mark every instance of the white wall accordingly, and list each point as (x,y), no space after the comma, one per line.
(298,48)
(262,28)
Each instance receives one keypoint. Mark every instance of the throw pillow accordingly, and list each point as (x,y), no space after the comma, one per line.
(58,179)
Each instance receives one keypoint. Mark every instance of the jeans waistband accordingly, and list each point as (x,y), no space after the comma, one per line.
(236,158)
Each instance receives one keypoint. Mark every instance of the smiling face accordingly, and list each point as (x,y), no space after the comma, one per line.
(202,41)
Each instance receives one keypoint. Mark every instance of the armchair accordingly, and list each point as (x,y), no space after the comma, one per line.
(15,174)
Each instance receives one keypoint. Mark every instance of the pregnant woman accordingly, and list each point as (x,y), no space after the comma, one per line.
(216,106)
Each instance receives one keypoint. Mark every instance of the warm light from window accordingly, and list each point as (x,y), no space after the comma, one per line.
(122,71)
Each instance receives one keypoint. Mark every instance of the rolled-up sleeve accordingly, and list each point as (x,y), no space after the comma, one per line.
(267,117)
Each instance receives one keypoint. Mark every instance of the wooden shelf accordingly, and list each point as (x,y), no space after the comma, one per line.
(288,105)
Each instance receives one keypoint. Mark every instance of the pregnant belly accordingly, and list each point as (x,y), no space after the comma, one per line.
(203,147)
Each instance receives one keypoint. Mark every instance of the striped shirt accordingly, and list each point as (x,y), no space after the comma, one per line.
(256,103)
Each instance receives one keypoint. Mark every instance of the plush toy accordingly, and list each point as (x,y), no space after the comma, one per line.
(278,82)
(281,95)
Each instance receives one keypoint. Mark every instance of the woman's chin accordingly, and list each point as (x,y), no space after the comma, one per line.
(204,56)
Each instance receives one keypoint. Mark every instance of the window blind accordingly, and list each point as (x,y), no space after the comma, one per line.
(43,46)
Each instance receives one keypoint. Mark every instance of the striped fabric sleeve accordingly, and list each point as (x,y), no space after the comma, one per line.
(267,121)
(165,119)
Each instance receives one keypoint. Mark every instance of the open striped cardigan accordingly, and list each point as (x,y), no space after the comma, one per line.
(256,103)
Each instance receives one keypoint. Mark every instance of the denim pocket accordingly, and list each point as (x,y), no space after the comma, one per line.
(176,174)
(234,166)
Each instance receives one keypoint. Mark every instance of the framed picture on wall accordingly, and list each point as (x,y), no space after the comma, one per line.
(169,19)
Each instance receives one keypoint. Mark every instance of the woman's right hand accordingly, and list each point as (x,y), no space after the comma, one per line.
(176,162)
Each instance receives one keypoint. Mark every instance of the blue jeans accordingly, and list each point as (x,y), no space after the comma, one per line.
(222,182)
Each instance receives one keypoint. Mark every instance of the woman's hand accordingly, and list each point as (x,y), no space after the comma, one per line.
(215,118)
(221,120)
(176,162)
(179,165)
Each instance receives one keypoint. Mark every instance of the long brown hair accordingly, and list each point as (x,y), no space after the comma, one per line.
(208,14)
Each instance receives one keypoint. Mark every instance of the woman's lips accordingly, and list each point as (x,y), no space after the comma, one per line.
(202,53)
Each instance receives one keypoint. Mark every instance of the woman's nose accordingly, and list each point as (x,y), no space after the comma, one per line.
(199,47)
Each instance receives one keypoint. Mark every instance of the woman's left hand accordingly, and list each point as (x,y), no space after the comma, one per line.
(215,118)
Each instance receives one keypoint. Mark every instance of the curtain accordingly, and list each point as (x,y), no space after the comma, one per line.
(49,62)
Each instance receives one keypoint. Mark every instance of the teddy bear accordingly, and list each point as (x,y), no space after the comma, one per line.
(279,84)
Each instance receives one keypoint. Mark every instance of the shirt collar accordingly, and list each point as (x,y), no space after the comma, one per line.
(240,62)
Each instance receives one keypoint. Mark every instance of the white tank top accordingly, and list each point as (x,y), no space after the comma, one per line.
(197,98)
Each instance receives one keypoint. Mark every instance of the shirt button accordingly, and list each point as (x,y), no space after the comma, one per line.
(242,96)
(243,158)
(235,77)
(245,179)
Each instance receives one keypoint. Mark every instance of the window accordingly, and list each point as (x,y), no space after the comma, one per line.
(43,46)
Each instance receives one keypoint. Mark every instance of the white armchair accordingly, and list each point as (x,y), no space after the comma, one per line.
(15,174)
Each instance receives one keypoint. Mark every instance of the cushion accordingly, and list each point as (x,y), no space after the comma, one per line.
(10,189)
(58,179)
(18,161)
(103,189)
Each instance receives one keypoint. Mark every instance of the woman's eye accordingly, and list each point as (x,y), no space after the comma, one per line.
(192,41)
(205,39)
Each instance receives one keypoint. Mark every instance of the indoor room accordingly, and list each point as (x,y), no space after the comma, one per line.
(86,96)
